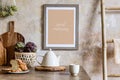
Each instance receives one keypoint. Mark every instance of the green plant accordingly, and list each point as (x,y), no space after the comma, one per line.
(7,10)
(29,47)
(19,47)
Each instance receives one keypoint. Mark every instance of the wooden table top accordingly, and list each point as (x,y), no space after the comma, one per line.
(42,75)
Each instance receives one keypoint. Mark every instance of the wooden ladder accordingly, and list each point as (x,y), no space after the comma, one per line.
(104,42)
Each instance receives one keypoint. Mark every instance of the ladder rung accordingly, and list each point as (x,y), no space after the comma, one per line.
(113,8)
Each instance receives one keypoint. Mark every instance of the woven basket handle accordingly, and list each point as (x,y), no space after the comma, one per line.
(38,60)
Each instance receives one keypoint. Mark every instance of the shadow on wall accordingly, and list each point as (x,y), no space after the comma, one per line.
(92,55)
(42,25)
(110,50)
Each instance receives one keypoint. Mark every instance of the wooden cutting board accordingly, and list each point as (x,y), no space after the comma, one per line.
(10,38)
(44,68)
(2,53)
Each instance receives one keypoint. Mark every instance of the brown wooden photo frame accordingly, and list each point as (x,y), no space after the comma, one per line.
(61,26)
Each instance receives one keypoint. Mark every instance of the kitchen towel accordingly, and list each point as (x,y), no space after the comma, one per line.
(117,50)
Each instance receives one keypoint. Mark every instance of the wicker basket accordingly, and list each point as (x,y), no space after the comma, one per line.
(29,58)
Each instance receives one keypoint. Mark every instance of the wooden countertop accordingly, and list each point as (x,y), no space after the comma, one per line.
(40,75)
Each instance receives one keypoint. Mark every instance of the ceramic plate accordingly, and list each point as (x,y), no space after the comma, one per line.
(22,72)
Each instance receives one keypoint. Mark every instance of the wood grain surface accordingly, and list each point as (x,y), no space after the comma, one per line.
(10,38)
(2,53)
(41,75)
(44,68)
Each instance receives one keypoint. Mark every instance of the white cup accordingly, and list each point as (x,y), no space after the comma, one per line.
(74,69)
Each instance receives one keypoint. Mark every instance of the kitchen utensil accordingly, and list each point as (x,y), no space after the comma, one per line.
(50,59)
(10,38)
(2,53)
(45,68)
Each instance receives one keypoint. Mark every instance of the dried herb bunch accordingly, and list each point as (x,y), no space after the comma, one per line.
(7,10)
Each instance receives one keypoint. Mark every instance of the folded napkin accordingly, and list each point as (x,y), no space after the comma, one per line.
(117,50)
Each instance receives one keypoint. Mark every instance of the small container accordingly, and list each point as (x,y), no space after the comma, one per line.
(74,69)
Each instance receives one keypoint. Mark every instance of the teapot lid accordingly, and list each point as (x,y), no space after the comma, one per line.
(50,51)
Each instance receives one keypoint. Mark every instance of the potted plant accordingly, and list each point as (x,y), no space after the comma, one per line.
(7,11)
(26,52)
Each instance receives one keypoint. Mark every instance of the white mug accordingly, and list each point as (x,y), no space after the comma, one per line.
(74,69)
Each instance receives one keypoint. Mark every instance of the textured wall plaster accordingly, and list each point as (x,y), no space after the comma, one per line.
(29,22)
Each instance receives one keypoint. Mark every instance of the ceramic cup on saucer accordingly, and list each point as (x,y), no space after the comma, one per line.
(74,69)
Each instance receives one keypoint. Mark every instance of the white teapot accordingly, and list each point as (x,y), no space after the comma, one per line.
(50,59)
